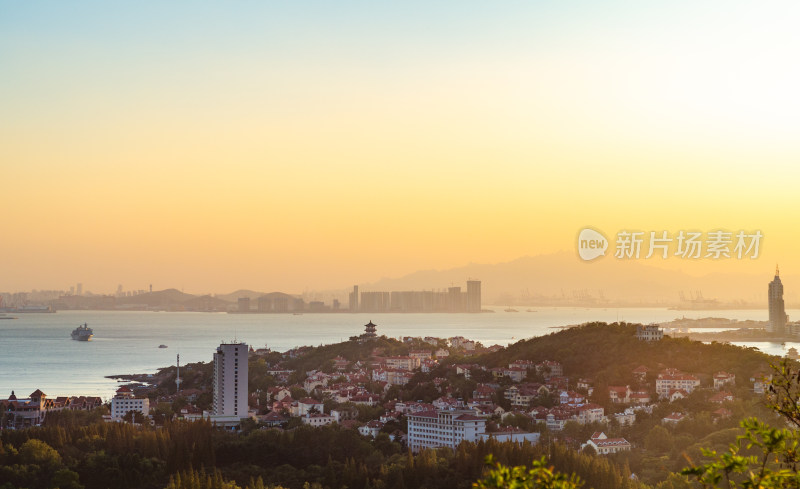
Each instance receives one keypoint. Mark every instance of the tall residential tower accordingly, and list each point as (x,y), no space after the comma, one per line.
(230,380)
(473,296)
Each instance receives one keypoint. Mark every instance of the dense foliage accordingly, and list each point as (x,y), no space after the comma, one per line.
(92,456)
(764,456)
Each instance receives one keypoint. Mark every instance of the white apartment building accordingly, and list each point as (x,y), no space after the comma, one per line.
(673,379)
(443,428)
(649,332)
(317,419)
(403,363)
(124,402)
(230,380)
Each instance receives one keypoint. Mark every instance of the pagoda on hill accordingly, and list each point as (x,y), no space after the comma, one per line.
(369,331)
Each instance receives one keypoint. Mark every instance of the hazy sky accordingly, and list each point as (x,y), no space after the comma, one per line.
(283,145)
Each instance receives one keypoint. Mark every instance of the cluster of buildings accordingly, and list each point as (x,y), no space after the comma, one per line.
(537,390)
(22,412)
(453,299)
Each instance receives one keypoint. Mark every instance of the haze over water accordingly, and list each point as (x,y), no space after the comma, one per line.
(39,354)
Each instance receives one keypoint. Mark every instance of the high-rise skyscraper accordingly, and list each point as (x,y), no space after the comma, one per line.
(230,380)
(354,299)
(777,312)
(473,296)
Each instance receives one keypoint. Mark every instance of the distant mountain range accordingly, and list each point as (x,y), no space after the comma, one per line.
(251,294)
(175,299)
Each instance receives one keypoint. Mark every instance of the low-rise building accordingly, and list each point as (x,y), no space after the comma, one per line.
(511,434)
(590,413)
(549,368)
(420,354)
(30,411)
(273,419)
(639,398)
(619,394)
(649,332)
(641,373)
(124,402)
(721,413)
(443,428)
(604,445)
(760,382)
(673,418)
(371,429)
(723,378)
(403,363)
(556,419)
(626,418)
(317,419)
(671,379)
(516,374)
(721,396)
(305,406)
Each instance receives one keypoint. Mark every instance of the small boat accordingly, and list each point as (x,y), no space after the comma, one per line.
(82,333)
(162,346)
(510,310)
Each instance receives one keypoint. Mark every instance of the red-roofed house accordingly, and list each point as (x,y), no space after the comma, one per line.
(640,397)
(641,373)
(673,418)
(721,413)
(604,445)
(721,396)
(675,394)
(671,379)
(723,378)
(619,394)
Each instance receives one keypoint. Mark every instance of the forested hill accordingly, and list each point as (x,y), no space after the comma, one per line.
(608,353)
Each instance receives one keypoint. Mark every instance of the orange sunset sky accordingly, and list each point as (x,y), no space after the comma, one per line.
(279,146)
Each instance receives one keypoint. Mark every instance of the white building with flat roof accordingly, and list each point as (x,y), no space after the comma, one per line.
(649,332)
(443,428)
(230,380)
(124,402)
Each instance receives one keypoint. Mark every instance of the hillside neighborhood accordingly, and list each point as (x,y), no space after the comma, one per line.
(426,392)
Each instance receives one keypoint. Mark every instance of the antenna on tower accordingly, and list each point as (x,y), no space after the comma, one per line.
(178,376)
